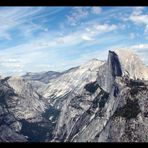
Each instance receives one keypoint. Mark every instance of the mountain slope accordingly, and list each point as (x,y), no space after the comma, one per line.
(99,101)
(18,102)
(87,106)
(74,79)
(42,76)
(90,115)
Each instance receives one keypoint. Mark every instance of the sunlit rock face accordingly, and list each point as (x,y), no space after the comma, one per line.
(93,121)
(28,103)
(84,115)
(132,65)
(99,101)
(72,80)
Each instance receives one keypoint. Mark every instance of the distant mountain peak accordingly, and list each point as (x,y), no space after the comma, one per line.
(41,76)
(92,63)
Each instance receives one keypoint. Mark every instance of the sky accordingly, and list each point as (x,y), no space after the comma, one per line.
(35,39)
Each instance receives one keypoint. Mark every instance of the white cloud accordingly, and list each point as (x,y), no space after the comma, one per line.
(87,29)
(139,18)
(93,31)
(43,51)
(87,38)
(46,50)
(105,28)
(21,18)
(137,10)
(12,65)
(140,46)
(13,17)
(96,10)
(77,14)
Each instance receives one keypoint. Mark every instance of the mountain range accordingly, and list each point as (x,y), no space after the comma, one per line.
(98,101)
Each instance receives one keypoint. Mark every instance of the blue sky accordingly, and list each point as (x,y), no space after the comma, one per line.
(34,39)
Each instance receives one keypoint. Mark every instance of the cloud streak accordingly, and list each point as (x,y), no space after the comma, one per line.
(45,38)
(22,18)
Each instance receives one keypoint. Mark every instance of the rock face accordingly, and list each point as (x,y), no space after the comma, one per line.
(29,103)
(129,121)
(90,115)
(18,101)
(93,106)
(131,64)
(96,102)
(71,80)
